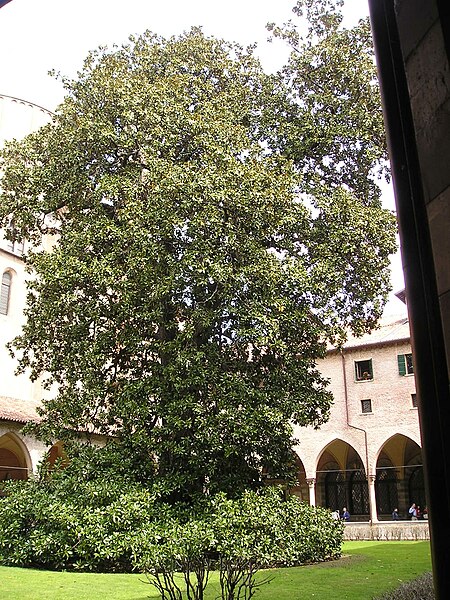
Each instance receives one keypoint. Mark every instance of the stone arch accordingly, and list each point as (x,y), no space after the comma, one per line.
(56,453)
(399,476)
(10,270)
(300,488)
(341,480)
(15,461)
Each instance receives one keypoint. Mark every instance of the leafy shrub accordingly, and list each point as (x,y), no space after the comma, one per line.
(168,549)
(274,532)
(80,520)
(417,589)
(262,530)
(39,528)
(237,537)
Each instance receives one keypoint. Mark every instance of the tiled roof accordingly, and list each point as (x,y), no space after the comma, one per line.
(19,411)
(393,330)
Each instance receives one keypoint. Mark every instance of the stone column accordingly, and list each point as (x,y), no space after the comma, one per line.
(312,491)
(372,499)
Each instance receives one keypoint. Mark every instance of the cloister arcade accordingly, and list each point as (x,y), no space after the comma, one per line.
(15,458)
(396,476)
(395,479)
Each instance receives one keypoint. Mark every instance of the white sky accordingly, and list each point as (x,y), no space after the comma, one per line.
(39,35)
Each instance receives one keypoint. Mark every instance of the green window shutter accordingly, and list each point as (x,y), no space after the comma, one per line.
(401,364)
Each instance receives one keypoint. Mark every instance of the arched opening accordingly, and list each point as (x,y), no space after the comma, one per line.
(14,460)
(399,481)
(359,492)
(416,486)
(342,480)
(297,488)
(335,492)
(57,454)
(300,488)
(5,292)
(386,488)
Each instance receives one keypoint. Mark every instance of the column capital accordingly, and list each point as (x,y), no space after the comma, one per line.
(311,481)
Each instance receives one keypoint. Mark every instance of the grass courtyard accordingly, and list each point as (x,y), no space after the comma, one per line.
(365,570)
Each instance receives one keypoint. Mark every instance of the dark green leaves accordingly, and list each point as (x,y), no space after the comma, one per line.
(215,228)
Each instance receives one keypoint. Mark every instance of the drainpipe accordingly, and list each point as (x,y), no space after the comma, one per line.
(370,477)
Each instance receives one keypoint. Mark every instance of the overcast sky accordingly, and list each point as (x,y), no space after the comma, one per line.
(39,35)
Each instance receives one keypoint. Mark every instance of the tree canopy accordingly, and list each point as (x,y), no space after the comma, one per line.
(332,124)
(215,228)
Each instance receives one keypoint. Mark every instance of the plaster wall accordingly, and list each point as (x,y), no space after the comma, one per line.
(18,118)
(409,530)
(12,385)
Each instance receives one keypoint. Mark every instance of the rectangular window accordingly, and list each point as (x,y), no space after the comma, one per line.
(414,400)
(15,247)
(405,364)
(366,406)
(363,370)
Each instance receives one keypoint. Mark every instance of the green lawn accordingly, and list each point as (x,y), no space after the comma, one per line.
(366,569)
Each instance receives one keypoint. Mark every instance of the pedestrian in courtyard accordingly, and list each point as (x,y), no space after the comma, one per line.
(413,512)
(395,515)
(345,514)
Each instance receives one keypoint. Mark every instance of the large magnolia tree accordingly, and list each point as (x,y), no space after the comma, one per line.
(214,230)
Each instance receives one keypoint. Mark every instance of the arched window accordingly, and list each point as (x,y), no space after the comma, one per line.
(5,293)
(335,490)
(359,493)
(386,490)
(417,487)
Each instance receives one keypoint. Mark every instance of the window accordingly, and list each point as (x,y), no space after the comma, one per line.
(5,292)
(414,400)
(405,364)
(366,406)
(363,370)
(15,247)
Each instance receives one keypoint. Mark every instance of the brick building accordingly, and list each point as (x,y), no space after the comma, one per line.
(367,457)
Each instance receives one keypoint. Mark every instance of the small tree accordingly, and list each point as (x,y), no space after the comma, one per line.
(238,538)
(179,557)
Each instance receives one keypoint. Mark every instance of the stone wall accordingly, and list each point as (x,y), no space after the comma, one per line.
(403,530)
